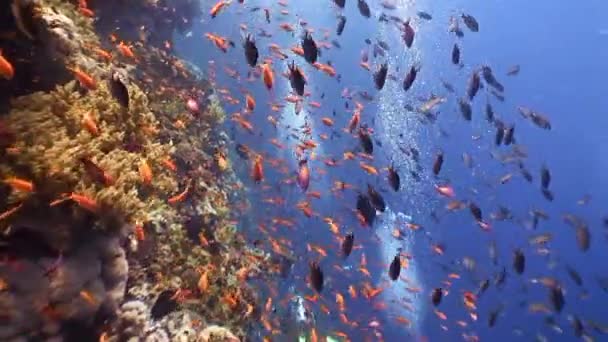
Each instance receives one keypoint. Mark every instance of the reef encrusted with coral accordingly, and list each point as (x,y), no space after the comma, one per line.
(128,194)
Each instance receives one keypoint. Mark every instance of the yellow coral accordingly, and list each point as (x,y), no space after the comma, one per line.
(51,140)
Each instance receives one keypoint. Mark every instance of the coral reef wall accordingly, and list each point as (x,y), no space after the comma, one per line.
(118,199)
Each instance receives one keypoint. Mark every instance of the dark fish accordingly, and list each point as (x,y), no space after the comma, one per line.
(119,90)
(436,296)
(583,237)
(267,15)
(473,85)
(519,261)
(456,54)
(424,15)
(525,173)
(502,214)
(410,77)
(509,133)
(384,45)
(336,44)
(251,51)
(536,118)
(438,163)
(296,79)
(341,23)
(470,22)
(316,276)
(493,316)
(340,3)
(366,141)
(548,195)
(574,275)
(164,304)
(514,70)
(408,34)
(488,76)
(95,172)
(368,42)
(448,86)
(475,211)
(545,177)
(500,278)
(500,133)
(577,325)
(465,109)
(393,178)
(497,95)
(310,48)
(366,209)
(383,18)
(483,286)
(395,268)
(556,297)
(380,76)
(489,112)
(376,199)
(363,8)
(347,244)
(242,151)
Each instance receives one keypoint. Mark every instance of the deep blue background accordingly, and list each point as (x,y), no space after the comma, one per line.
(562,48)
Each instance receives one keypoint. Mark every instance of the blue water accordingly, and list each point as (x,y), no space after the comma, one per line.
(562,49)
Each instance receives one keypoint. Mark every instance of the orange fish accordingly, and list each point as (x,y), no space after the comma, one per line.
(88,297)
(203,282)
(327,121)
(218,7)
(145,172)
(125,50)
(20,184)
(169,164)
(445,190)
(354,121)
(257,173)
(250,103)
(181,196)
(6,68)
(85,79)
(83,201)
(89,124)
(139,232)
(368,168)
(86,12)
(103,54)
(298,50)
(267,75)
(10,211)
(287,27)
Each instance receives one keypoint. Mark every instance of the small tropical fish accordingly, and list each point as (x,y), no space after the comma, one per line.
(347,244)
(436,296)
(408,34)
(395,268)
(519,261)
(251,51)
(6,68)
(470,22)
(341,24)
(316,276)
(119,90)
(309,46)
